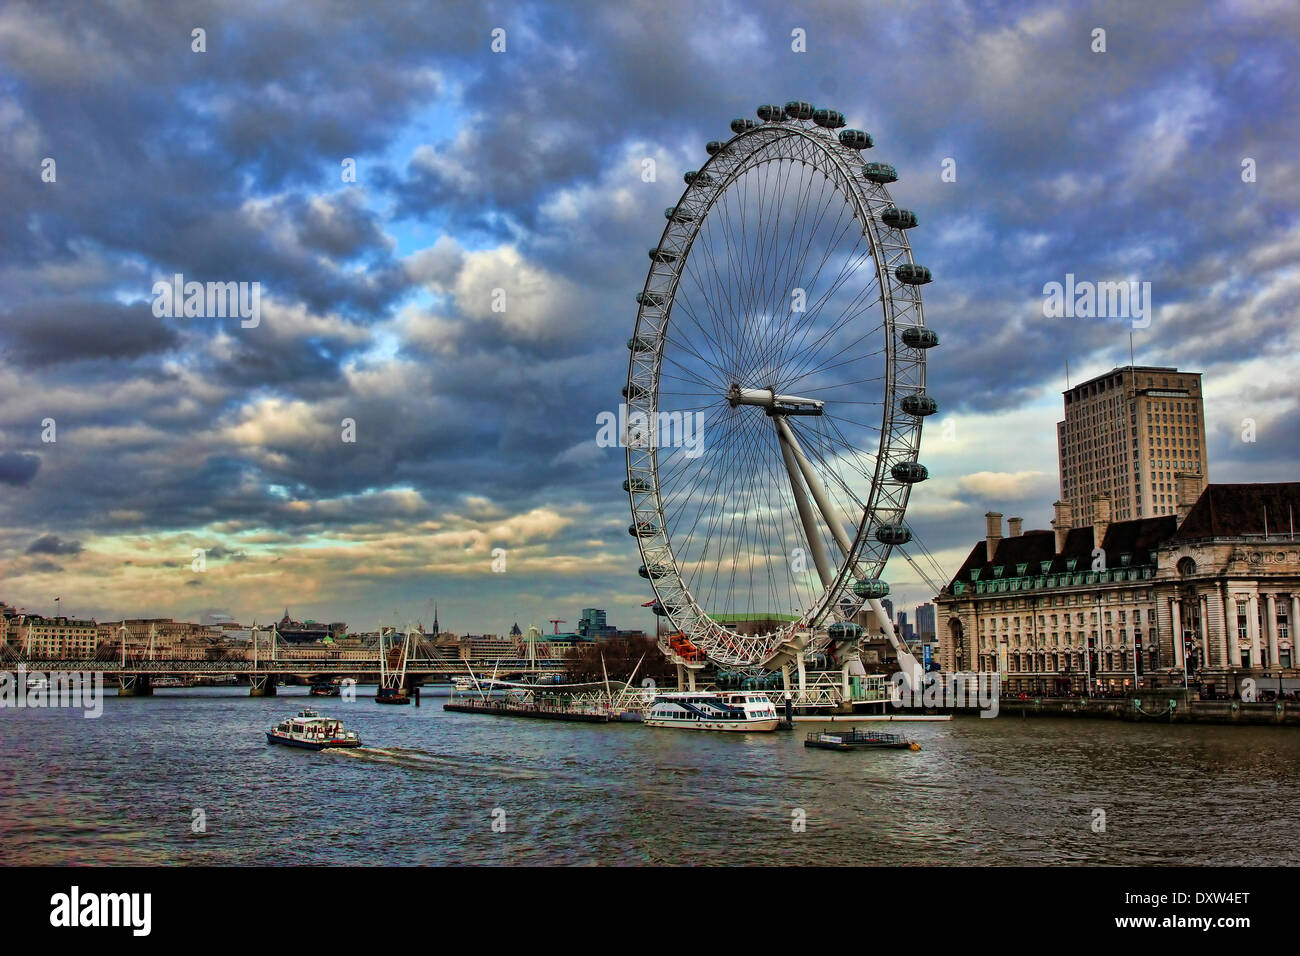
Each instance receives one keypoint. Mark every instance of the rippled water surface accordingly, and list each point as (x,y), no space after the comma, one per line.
(122,789)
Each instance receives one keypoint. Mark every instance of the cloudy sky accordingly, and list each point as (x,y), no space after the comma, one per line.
(521,170)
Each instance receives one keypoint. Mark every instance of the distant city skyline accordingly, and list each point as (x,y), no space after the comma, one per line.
(385,436)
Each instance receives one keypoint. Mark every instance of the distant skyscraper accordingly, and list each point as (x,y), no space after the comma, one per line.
(592,623)
(888,605)
(1129,435)
(925,619)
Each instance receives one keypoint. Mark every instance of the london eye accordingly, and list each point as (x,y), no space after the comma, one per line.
(775,394)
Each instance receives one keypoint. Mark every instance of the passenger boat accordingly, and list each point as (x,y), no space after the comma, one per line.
(324,689)
(860,740)
(312,731)
(169,682)
(746,712)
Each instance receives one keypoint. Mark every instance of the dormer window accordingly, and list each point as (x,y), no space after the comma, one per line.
(997,572)
(974,574)
(1021,569)
(1069,564)
(1125,559)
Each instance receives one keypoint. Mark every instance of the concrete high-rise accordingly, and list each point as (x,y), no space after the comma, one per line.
(1129,436)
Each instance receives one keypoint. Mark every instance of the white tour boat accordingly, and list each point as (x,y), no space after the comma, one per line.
(312,731)
(743,711)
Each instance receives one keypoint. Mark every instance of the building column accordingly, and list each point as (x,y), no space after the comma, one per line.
(1270,627)
(1292,623)
(1252,627)
(1230,630)
(1205,630)
(1180,652)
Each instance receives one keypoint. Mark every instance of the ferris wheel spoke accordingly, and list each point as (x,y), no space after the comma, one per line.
(798,266)
(856,307)
(678,342)
(719,349)
(811,352)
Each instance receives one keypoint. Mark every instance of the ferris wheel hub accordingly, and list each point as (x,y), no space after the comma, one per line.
(774,403)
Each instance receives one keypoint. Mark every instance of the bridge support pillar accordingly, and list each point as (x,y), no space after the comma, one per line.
(412,686)
(261,686)
(138,686)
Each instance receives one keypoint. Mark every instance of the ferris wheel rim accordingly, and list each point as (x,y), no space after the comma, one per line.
(655,314)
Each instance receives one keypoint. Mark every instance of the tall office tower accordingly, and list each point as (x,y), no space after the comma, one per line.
(593,623)
(925,620)
(1128,435)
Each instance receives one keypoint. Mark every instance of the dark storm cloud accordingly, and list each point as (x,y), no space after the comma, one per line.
(51,331)
(18,468)
(53,544)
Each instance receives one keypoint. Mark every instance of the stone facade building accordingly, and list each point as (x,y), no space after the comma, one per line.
(51,638)
(1209,594)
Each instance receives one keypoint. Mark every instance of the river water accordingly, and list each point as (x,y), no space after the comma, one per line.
(428,786)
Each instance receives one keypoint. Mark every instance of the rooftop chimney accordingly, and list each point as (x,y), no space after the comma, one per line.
(1100,518)
(994,522)
(1188,486)
(1014,526)
(1061,524)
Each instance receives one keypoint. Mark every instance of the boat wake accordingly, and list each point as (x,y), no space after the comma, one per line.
(421,760)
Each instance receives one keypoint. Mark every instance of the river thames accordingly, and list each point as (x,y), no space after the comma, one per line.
(428,785)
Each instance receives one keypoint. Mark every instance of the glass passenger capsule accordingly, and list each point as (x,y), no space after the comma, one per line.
(695,176)
(909,472)
(742,124)
(919,405)
(663,255)
(771,113)
(919,337)
(898,218)
(830,119)
(649,298)
(880,173)
(844,631)
(871,588)
(912,274)
(640,485)
(798,109)
(893,534)
(856,139)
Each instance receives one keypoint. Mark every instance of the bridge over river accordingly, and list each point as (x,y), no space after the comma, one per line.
(136,677)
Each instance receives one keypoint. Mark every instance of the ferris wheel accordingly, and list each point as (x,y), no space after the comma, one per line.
(775,394)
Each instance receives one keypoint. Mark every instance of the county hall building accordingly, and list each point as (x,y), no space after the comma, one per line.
(1148,574)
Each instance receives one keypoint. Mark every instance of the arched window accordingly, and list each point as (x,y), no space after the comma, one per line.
(1186,566)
